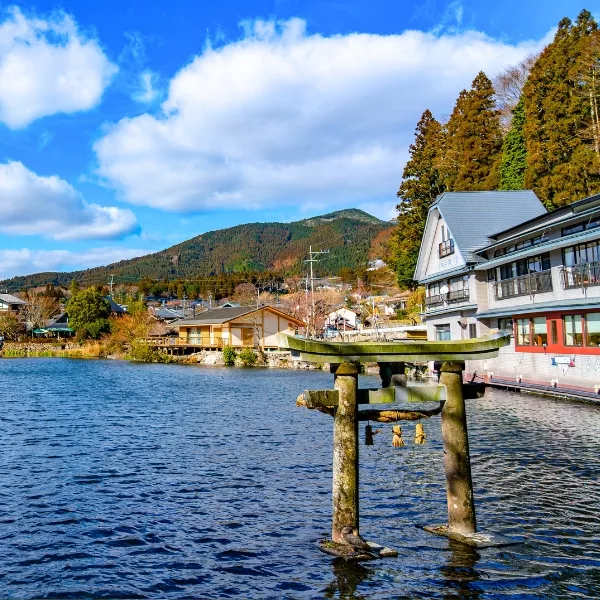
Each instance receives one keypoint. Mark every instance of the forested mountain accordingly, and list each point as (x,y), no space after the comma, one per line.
(277,247)
(539,129)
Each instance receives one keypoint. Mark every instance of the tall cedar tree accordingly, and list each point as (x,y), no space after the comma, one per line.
(471,157)
(562,165)
(514,152)
(421,184)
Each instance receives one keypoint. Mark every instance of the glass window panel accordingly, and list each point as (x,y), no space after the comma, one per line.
(554,332)
(546,261)
(523,337)
(540,331)
(592,329)
(442,333)
(505,325)
(472,330)
(573,330)
(569,256)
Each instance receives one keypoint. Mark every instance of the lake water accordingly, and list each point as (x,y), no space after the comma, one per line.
(120,480)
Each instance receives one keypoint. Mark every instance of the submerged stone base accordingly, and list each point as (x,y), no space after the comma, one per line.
(350,554)
(475,540)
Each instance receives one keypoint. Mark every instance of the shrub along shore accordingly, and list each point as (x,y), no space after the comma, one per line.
(142,352)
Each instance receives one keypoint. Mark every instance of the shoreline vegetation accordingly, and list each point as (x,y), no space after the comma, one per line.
(144,353)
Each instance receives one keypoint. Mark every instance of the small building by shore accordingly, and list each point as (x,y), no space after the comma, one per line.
(239,327)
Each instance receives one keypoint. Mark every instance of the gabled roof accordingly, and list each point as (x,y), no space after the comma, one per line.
(114,307)
(218,316)
(472,217)
(10,299)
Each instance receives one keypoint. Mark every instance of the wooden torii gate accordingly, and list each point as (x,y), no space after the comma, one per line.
(342,403)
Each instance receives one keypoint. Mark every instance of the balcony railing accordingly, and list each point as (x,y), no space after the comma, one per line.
(434,300)
(580,276)
(524,285)
(458,295)
(446,248)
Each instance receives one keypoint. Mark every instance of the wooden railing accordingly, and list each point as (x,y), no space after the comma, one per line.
(580,276)
(446,248)
(458,295)
(532,283)
(434,300)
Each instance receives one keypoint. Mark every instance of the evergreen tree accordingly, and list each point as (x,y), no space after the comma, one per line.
(514,152)
(562,165)
(471,157)
(88,313)
(421,184)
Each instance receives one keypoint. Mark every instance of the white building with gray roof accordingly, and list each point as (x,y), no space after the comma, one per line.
(500,260)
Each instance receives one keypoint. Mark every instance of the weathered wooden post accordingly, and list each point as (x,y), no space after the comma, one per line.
(459,485)
(345,450)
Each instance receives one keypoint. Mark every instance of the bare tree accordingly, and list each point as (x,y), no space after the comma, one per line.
(39,309)
(508,86)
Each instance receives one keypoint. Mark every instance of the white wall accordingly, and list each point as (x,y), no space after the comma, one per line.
(538,368)
(436,264)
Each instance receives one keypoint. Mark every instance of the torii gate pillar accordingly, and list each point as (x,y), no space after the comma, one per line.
(459,485)
(345,450)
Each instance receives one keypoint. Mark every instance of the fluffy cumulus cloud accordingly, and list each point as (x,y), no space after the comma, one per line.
(50,207)
(47,66)
(283,117)
(25,261)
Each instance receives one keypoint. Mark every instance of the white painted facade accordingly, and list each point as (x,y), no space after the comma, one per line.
(523,279)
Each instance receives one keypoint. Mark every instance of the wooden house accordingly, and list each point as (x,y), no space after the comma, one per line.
(10,303)
(241,326)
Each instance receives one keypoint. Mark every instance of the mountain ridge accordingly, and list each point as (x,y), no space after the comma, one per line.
(252,247)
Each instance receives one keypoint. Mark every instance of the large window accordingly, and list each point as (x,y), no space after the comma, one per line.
(592,329)
(539,331)
(532,332)
(442,332)
(517,268)
(573,325)
(506,325)
(581,253)
(434,298)
(522,277)
(459,288)
(523,335)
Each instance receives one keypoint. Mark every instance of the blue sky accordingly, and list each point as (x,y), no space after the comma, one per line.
(128,126)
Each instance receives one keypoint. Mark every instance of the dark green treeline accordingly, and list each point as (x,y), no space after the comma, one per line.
(552,145)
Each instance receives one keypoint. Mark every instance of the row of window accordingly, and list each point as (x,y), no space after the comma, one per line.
(581,254)
(578,330)
(579,227)
(523,266)
(455,285)
(519,246)
(569,230)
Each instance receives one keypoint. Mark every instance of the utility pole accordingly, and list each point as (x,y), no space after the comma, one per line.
(312,260)
(110,285)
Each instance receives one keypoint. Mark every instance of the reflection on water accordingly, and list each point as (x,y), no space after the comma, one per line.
(165,481)
(459,570)
(348,576)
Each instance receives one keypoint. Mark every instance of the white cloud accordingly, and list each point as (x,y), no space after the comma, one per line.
(281,117)
(49,206)
(47,67)
(25,261)
(147,91)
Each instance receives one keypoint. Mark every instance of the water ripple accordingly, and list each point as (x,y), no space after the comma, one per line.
(166,481)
